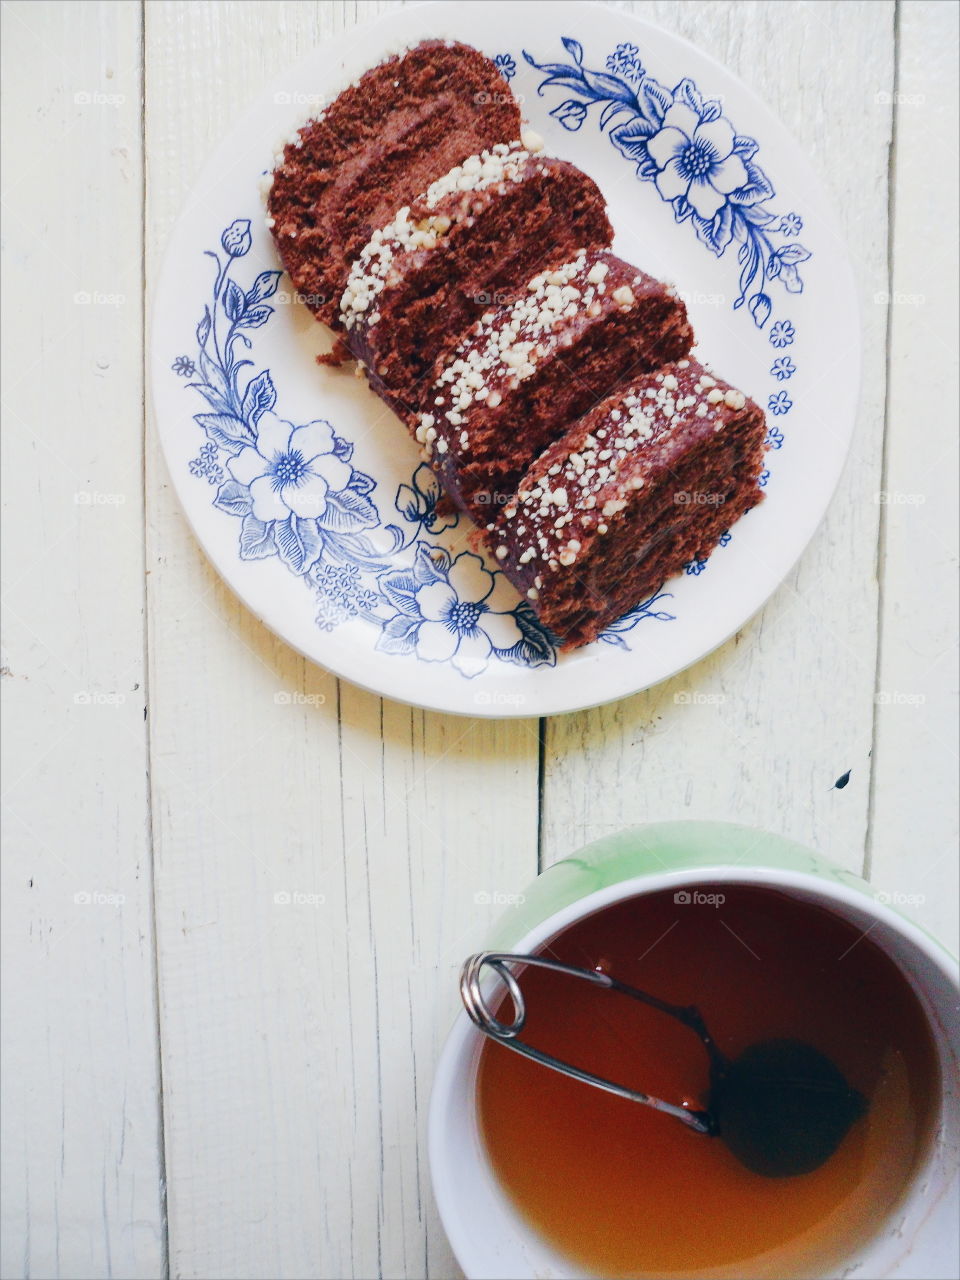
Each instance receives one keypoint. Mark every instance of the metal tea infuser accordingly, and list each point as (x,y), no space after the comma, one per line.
(782,1107)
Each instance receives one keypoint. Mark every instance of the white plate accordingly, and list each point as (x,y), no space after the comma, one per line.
(772,302)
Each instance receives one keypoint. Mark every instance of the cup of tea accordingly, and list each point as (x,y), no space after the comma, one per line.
(813,1029)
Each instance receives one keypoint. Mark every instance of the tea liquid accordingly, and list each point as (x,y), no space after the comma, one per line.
(626,1191)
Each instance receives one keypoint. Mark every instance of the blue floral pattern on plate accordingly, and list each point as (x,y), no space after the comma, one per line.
(679,140)
(298,497)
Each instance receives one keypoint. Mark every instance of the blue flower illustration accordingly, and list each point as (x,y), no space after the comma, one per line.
(184,367)
(419,503)
(782,334)
(725,538)
(444,614)
(290,470)
(783,368)
(206,465)
(571,114)
(764,477)
(775,438)
(505,65)
(780,403)
(236,240)
(681,141)
(625,61)
(696,161)
(695,567)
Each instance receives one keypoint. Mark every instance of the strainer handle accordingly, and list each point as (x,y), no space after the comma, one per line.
(507,1033)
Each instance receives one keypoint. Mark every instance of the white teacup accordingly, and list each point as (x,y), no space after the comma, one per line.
(493,1242)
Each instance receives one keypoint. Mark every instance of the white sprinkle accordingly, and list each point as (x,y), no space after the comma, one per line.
(531,140)
(613,506)
(734,399)
(624,296)
(501,553)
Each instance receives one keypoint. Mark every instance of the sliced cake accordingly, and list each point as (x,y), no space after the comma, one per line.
(472,241)
(372,150)
(525,371)
(644,483)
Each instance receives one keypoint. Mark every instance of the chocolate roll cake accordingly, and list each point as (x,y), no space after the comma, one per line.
(472,241)
(525,371)
(638,487)
(372,150)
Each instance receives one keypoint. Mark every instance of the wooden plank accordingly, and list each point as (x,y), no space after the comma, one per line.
(82,1169)
(298,1036)
(914,832)
(786,705)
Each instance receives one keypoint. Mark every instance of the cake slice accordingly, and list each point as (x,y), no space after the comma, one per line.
(645,482)
(526,370)
(372,150)
(472,240)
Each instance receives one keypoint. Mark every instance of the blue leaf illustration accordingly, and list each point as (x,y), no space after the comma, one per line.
(344,451)
(259,397)
(225,430)
(574,48)
(537,648)
(348,512)
(793,253)
(256,539)
(360,482)
(399,635)
(234,498)
(408,504)
(299,542)
(203,328)
(400,588)
(744,147)
(657,100)
(265,286)
(756,189)
(256,317)
(790,277)
(571,114)
(233,301)
(760,309)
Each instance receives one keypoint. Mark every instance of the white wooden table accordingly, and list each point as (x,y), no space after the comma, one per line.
(200,1081)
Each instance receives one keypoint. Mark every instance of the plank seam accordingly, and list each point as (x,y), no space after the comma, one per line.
(148,732)
(882,529)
